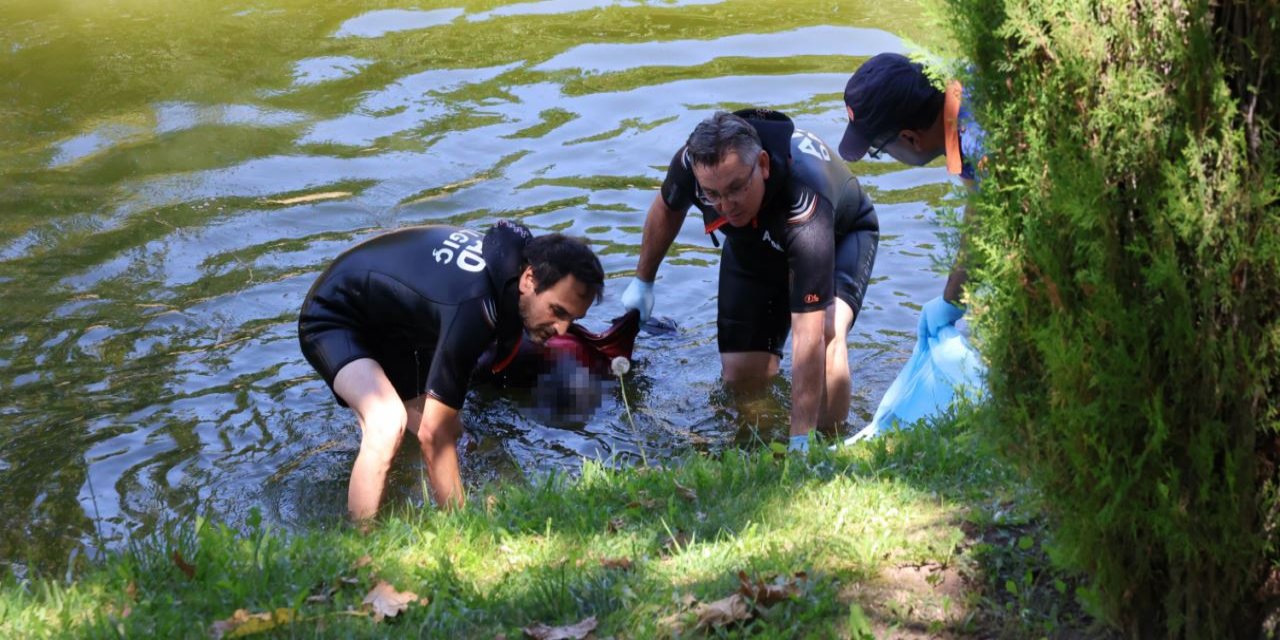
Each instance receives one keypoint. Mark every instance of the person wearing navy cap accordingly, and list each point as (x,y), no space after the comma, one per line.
(895,110)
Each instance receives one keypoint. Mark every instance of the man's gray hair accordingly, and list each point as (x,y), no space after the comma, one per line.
(720,134)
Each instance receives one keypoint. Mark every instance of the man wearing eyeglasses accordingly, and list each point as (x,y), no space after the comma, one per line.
(895,109)
(800,242)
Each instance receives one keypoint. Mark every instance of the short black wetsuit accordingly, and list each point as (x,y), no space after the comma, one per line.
(815,222)
(424,302)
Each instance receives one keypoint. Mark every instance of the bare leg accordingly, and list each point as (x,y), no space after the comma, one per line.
(748,371)
(745,375)
(364,386)
(438,428)
(835,404)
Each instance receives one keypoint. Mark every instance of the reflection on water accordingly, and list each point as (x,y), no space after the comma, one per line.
(568,6)
(174,177)
(380,23)
(807,41)
(325,68)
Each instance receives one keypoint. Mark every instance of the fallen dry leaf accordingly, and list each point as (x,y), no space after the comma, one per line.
(642,501)
(540,631)
(312,197)
(677,543)
(616,563)
(361,562)
(616,524)
(187,569)
(242,623)
(322,592)
(723,612)
(673,625)
(686,492)
(386,602)
(131,590)
(767,594)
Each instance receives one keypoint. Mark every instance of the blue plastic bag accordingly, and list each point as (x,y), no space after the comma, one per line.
(940,367)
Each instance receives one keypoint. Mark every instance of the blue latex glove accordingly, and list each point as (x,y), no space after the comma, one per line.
(639,296)
(798,444)
(937,313)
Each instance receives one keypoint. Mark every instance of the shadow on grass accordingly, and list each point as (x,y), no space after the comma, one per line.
(916,534)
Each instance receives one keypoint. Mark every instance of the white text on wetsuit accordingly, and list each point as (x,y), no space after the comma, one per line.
(468,255)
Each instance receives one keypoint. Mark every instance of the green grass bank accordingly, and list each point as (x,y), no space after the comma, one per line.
(918,534)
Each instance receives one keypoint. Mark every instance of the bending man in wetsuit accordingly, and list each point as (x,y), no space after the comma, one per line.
(800,241)
(894,109)
(396,324)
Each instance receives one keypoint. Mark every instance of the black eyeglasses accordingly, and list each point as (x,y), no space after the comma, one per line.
(733,192)
(877,149)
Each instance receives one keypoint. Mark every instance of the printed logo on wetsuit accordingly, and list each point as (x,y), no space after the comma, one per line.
(463,249)
(802,207)
(769,239)
(810,298)
(811,145)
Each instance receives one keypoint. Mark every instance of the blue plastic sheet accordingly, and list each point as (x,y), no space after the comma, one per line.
(941,367)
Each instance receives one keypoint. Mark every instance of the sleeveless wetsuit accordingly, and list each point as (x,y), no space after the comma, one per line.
(814,238)
(424,302)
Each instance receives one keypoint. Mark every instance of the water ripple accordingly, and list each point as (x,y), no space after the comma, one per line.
(379,23)
(808,41)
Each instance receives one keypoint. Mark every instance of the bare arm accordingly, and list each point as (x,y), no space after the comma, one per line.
(660,229)
(954,290)
(955,283)
(808,371)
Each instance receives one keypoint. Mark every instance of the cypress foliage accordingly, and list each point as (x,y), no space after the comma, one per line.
(1127,292)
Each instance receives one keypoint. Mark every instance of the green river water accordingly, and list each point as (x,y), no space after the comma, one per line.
(156,238)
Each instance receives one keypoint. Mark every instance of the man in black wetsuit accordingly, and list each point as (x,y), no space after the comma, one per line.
(396,325)
(800,242)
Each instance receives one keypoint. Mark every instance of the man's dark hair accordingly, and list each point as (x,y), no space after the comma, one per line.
(719,134)
(555,255)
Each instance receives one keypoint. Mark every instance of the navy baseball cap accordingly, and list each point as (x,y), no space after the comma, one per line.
(887,94)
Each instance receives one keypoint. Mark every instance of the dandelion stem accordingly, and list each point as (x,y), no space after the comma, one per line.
(620,369)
